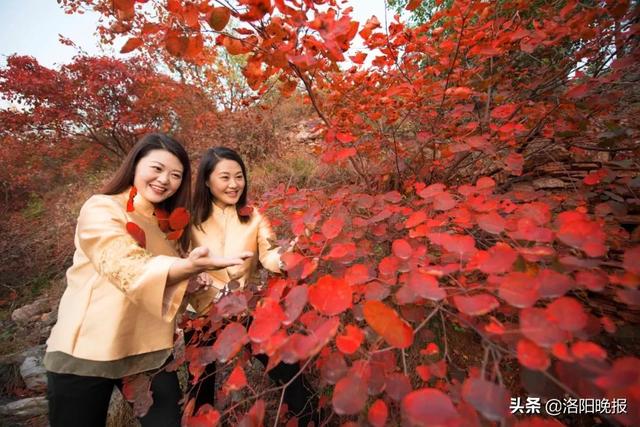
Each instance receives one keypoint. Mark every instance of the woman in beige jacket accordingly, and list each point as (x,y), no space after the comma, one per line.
(117,315)
(224,224)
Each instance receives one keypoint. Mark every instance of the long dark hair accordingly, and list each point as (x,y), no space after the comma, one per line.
(124,176)
(202,197)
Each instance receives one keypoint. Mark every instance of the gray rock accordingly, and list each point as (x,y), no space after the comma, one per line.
(33,373)
(31,312)
(25,408)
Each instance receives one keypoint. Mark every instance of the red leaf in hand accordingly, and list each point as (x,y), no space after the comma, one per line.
(137,233)
(330,296)
(428,406)
(179,218)
(388,324)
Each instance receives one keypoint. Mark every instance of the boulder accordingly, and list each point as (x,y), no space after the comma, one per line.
(25,408)
(31,312)
(33,373)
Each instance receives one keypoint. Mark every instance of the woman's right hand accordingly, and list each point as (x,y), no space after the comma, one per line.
(199,260)
(203,261)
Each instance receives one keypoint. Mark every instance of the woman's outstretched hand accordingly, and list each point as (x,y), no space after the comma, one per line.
(200,260)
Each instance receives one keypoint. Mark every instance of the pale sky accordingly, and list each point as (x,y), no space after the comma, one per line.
(31,27)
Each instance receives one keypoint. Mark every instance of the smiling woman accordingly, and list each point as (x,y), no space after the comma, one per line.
(124,289)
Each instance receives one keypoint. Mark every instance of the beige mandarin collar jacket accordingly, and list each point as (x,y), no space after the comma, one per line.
(225,235)
(116,303)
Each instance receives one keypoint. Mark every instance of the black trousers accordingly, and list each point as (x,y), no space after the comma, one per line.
(299,396)
(79,401)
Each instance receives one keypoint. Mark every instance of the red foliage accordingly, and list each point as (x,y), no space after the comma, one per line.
(447,209)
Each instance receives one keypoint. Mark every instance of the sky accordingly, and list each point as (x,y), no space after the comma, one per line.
(31,27)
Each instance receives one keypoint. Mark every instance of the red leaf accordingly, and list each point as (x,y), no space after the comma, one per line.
(416,218)
(462,245)
(398,386)
(515,163)
(174,235)
(179,218)
(531,356)
(498,259)
(359,57)
(535,325)
(426,286)
(351,340)
(294,303)
(519,290)
(631,261)
(491,223)
(206,416)
(444,202)
(232,338)
(554,284)
(266,320)
(237,379)
(137,233)
(349,395)
(245,210)
(503,111)
(132,194)
(388,324)
(401,248)
(255,416)
(476,305)
(568,314)
(428,406)
(430,350)
(490,399)
(137,389)
(219,18)
(413,4)
(595,177)
(431,191)
(588,350)
(131,44)
(340,250)
(333,368)
(344,137)
(577,231)
(330,296)
(332,227)
(163,219)
(592,280)
(357,274)
(378,413)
